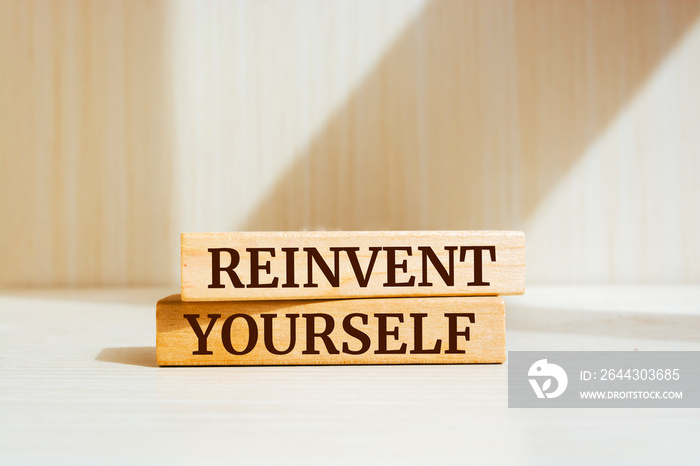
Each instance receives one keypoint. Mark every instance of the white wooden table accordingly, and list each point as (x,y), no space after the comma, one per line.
(79,385)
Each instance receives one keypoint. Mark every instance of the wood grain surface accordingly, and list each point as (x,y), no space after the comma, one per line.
(344,331)
(336,264)
(79,385)
(123,124)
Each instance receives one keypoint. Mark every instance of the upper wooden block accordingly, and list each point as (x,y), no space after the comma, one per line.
(346,264)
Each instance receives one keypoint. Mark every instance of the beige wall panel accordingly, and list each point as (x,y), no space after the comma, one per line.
(124,124)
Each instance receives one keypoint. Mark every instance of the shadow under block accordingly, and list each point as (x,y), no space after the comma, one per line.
(317,265)
(431,330)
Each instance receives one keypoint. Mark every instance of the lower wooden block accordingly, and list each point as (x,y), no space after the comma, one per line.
(430,330)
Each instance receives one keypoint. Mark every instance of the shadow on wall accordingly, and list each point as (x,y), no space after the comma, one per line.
(473,115)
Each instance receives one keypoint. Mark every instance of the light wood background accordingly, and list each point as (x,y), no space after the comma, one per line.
(123,124)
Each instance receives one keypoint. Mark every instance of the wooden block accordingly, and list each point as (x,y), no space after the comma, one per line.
(334,264)
(433,330)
